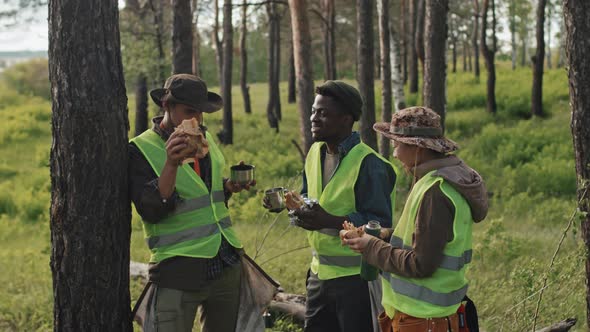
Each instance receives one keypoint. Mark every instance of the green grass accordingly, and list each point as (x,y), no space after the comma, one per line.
(527,164)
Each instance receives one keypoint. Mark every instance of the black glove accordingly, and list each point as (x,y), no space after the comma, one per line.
(316,218)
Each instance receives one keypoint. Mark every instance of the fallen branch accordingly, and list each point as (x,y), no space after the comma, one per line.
(563,326)
(290,305)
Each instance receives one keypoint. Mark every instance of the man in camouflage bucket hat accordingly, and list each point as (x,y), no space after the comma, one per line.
(428,252)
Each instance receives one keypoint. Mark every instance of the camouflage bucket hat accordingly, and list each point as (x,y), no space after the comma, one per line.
(188,90)
(418,126)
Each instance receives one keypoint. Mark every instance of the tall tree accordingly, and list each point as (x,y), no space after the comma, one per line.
(474,38)
(397,79)
(488,53)
(411,48)
(274,39)
(291,96)
(329,32)
(90,210)
(244,59)
(157,9)
(141,105)
(182,37)
(549,6)
(217,42)
(576,14)
(419,33)
(365,75)
(226,136)
(384,41)
(403,23)
(453,39)
(196,39)
(303,68)
(435,73)
(538,59)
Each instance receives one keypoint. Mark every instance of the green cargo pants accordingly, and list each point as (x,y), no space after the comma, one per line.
(175,310)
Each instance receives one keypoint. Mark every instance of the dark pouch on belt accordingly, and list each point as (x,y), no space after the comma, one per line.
(467,314)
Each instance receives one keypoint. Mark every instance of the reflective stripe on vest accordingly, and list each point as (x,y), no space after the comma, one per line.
(449,262)
(341,261)
(421,293)
(440,294)
(331,259)
(194,228)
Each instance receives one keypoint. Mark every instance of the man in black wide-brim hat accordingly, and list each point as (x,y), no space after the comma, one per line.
(195,253)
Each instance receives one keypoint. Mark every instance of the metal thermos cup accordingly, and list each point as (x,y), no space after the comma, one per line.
(276,198)
(370,272)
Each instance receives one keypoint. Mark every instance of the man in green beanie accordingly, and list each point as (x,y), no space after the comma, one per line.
(352,183)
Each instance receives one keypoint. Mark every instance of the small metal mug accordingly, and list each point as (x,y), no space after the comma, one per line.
(275,197)
(242,174)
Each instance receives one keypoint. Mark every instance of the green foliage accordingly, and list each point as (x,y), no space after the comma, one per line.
(29,78)
(527,164)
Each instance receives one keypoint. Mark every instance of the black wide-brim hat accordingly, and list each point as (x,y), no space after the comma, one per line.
(189,90)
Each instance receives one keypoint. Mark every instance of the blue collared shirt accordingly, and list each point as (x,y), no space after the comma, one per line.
(372,189)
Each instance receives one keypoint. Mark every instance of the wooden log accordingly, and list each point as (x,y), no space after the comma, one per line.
(563,326)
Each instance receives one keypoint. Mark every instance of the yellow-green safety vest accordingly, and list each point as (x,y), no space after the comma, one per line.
(440,294)
(195,226)
(330,258)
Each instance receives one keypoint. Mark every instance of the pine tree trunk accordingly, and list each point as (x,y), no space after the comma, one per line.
(464,57)
(412,56)
(182,37)
(549,62)
(404,38)
(576,14)
(218,44)
(226,136)
(141,105)
(303,68)
(474,37)
(90,208)
(419,36)
(291,93)
(384,40)
(397,80)
(328,31)
(470,59)
(244,60)
(537,93)
(196,40)
(277,68)
(434,94)
(364,76)
(157,8)
(488,55)
(271,115)
(523,55)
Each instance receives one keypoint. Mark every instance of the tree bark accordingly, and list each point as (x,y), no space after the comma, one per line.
(549,5)
(397,80)
(141,105)
(273,83)
(412,55)
(404,37)
(470,59)
(328,30)
(364,76)
(218,44)
(244,60)
(226,136)
(474,37)
(419,36)
(464,57)
(291,79)
(576,14)
(537,91)
(157,8)
(196,40)
(384,41)
(434,94)
(453,38)
(303,68)
(488,54)
(182,37)
(90,208)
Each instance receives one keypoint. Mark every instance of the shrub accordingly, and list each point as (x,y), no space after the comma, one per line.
(29,78)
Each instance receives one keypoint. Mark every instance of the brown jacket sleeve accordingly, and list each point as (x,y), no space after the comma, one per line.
(434,228)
